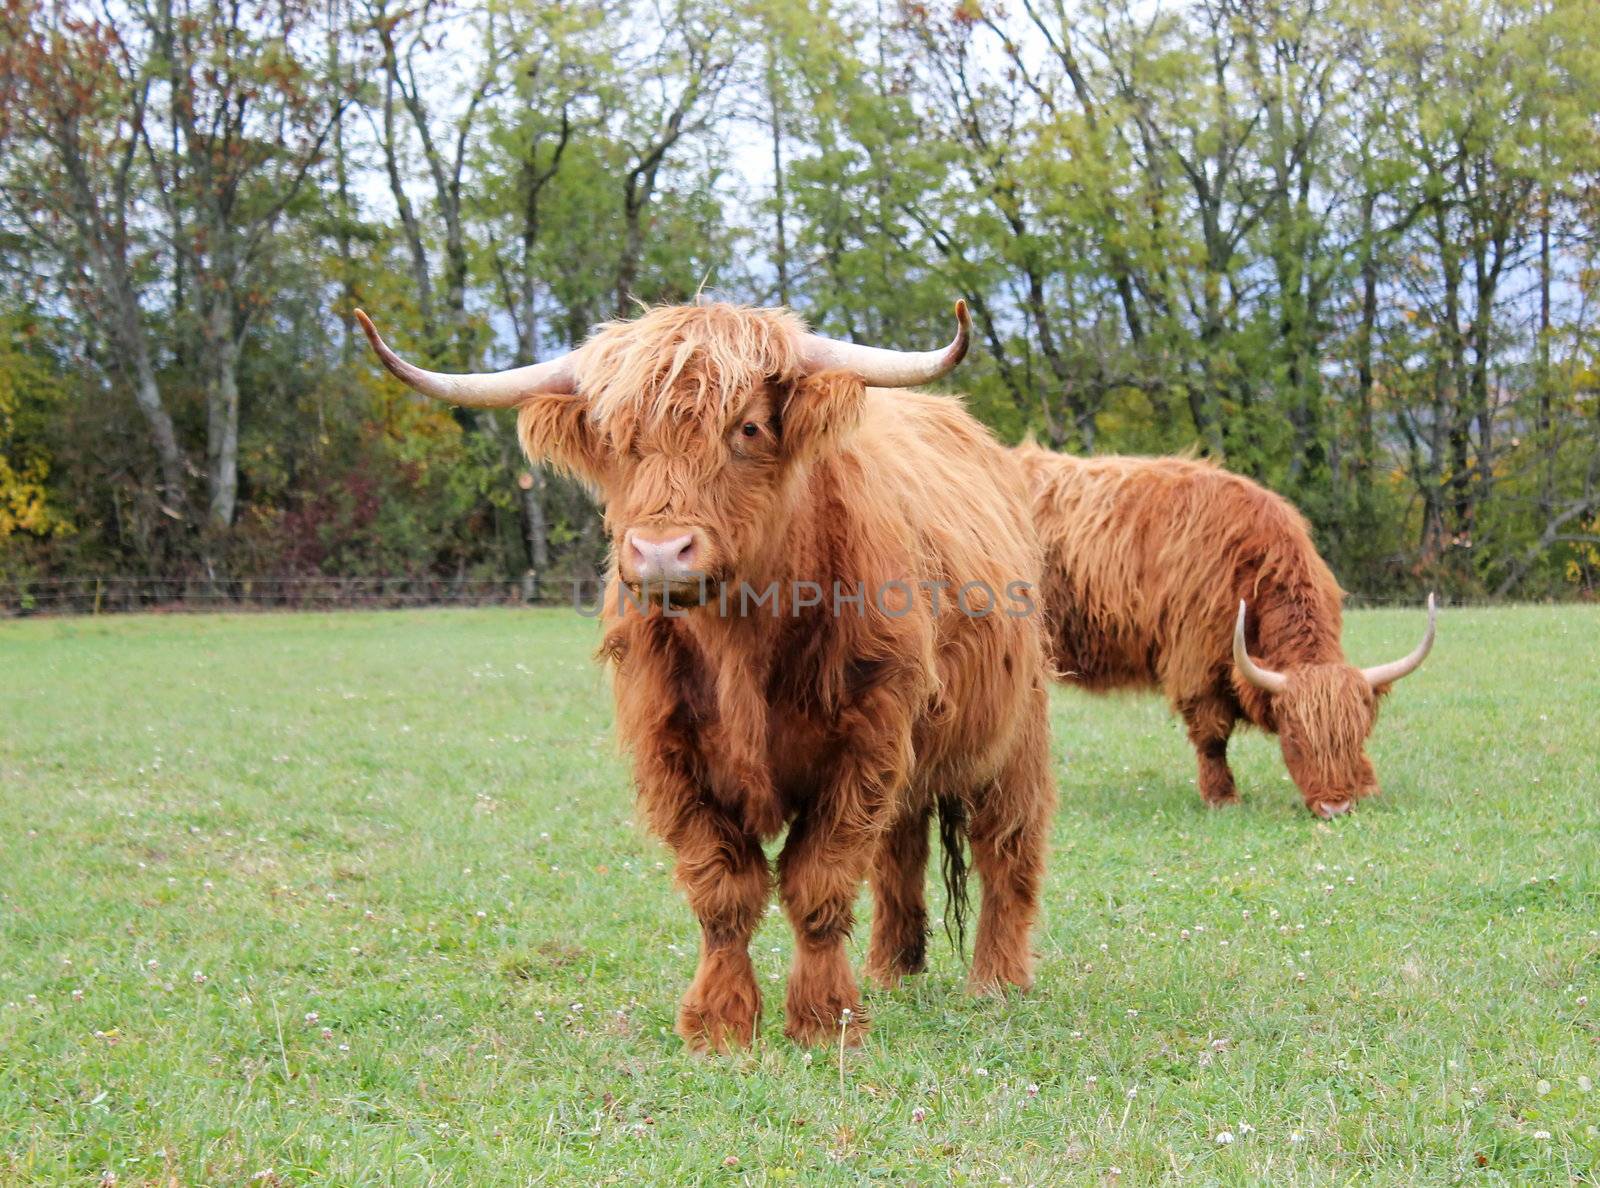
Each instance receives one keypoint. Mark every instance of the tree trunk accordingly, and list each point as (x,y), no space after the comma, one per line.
(222,408)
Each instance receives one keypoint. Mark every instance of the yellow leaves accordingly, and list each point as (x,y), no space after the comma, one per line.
(23,502)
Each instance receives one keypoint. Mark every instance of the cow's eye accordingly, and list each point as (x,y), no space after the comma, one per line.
(749,428)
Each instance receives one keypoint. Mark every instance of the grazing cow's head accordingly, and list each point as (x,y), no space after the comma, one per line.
(689,423)
(1324,713)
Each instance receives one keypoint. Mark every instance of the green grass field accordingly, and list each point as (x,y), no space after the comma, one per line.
(359,898)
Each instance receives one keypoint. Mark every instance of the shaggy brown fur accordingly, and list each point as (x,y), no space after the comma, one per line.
(1146,561)
(847,729)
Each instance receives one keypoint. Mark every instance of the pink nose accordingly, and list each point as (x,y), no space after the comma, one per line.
(662,559)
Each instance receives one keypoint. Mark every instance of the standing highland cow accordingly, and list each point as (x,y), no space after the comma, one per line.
(1174,573)
(815,680)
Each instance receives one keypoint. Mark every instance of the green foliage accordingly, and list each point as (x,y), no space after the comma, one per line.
(1346,248)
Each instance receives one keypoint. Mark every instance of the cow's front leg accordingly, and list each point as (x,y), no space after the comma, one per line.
(724,874)
(829,850)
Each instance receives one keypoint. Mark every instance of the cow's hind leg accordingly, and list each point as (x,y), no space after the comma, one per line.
(1008,827)
(900,911)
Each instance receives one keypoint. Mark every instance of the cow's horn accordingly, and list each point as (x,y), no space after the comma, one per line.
(499,389)
(1261,678)
(890,369)
(1386,674)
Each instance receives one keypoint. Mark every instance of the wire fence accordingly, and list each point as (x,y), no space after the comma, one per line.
(123,594)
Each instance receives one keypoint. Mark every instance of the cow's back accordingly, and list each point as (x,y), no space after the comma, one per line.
(1146,560)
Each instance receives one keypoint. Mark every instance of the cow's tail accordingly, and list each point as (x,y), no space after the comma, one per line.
(953,866)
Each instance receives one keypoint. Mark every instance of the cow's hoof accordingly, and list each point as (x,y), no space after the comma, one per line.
(808,1030)
(889,977)
(722,1022)
(998,985)
(1328,809)
(723,1035)
(1227,800)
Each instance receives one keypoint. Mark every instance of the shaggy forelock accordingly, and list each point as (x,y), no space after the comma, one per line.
(1332,704)
(685,363)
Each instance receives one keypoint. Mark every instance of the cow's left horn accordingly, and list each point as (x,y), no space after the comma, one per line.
(499,389)
(1261,678)
(1387,674)
(890,369)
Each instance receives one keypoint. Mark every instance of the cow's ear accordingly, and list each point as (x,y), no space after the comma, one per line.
(822,410)
(556,429)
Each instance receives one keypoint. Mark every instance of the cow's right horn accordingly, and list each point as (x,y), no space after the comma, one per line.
(498,389)
(1261,678)
(882,368)
(1387,674)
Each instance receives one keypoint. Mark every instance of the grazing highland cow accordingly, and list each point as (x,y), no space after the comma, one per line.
(782,533)
(1174,573)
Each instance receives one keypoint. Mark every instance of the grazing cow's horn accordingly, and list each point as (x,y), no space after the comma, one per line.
(1261,678)
(890,369)
(1384,674)
(500,389)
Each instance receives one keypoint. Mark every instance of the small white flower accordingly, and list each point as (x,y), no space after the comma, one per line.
(199,978)
(1224,1138)
(1032,1090)
(1245,1128)
(1584,1084)
(1583,1000)
(919,1114)
(1541,1134)
(982,1072)
(1296,1137)
(77,996)
(1542,1088)
(311,1017)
